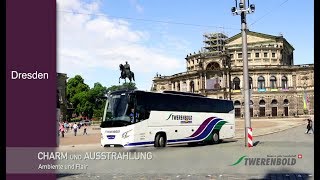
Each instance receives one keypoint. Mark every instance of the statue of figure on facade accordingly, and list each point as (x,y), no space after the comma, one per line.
(126,72)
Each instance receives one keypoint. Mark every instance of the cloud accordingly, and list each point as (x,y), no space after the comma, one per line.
(88,39)
(137,6)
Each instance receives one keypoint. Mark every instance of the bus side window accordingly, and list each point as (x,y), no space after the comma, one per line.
(143,113)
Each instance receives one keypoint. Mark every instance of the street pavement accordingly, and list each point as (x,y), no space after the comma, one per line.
(203,161)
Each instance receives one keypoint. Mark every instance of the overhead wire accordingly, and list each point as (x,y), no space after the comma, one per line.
(268,13)
(149,20)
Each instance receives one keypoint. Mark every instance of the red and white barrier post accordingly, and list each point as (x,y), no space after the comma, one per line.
(250,142)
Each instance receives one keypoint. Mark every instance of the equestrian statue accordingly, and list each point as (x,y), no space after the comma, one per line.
(126,72)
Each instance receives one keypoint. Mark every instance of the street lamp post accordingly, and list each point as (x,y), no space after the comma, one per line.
(242,11)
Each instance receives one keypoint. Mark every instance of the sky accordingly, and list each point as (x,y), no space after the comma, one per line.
(95,36)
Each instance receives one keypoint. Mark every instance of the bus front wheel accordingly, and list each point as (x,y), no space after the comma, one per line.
(160,141)
(215,137)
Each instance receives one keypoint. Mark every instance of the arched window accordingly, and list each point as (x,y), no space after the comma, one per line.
(191,86)
(286,107)
(274,108)
(213,66)
(237,108)
(284,82)
(261,83)
(273,82)
(274,102)
(178,86)
(262,103)
(251,108)
(250,83)
(237,103)
(236,83)
(262,108)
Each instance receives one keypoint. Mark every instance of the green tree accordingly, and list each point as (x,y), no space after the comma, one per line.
(76,85)
(77,93)
(121,87)
(90,104)
(94,97)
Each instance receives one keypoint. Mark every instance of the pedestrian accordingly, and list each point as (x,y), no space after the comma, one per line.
(75,129)
(65,126)
(62,130)
(85,130)
(309,126)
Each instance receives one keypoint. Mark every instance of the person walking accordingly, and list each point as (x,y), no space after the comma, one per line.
(85,129)
(309,126)
(75,129)
(65,126)
(62,130)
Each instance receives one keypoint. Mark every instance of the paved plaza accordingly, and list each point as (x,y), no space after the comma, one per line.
(203,161)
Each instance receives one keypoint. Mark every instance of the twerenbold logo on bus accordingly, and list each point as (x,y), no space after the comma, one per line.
(181,118)
(270,160)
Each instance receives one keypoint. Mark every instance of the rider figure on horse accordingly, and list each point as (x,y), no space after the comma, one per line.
(126,68)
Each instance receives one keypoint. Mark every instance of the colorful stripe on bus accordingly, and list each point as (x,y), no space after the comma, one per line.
(202,133)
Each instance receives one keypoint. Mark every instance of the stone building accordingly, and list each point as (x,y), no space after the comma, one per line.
(277,86)
(62,92)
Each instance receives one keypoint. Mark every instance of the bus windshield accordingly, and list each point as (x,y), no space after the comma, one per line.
(117,108)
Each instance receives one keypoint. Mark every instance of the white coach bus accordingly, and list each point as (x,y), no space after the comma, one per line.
(139,118)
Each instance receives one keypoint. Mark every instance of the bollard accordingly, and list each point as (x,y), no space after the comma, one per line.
(250,144)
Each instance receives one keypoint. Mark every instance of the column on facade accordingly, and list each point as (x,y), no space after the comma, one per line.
(223,84)
(290,81)
(172,85)
(201,82)
(181,86)
(270,56)
(205,81)
(241,83)
(254,81)
(188,85)
(279,76)
(195,81)
(267,80)
(227,80)
(199,85)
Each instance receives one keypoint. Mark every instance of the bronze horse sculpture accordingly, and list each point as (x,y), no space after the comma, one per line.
(126,73)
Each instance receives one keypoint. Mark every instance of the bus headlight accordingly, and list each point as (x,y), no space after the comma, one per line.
(126,134)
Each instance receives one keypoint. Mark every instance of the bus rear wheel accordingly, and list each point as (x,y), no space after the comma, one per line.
(160,141)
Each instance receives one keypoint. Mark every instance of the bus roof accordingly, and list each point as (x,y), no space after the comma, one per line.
(184,102)
(178,93)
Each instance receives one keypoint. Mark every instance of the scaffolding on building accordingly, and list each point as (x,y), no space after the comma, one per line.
(214,43)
